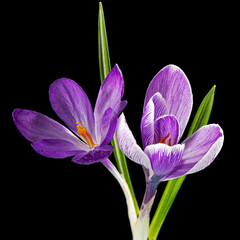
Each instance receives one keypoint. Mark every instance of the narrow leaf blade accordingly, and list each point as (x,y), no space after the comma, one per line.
(105,68)
(103,51)
(203,114)
(173,186)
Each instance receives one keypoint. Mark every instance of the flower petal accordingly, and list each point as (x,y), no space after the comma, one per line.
(56,148)
(201,148)
(120,106)
(128,145)
(107,126)
(155,107)
(165,125)
(163,157)
(36,126)
(98,154)
(72,105)
(175,88)
(110,94)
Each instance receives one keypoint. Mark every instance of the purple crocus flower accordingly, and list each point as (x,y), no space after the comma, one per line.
(167,107)
(90,131)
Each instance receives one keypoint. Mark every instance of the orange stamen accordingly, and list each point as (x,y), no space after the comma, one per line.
(85,134)
(162,140)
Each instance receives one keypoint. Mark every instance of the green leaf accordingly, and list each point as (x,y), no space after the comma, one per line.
(203,114)
(105,68)
(103,51)
(201,118)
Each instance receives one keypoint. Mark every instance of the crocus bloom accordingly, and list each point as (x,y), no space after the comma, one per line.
(167,107)
(91,131)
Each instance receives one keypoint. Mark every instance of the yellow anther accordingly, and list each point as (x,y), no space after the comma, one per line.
(81,130)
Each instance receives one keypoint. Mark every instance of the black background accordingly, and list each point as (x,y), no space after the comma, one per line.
(55,198)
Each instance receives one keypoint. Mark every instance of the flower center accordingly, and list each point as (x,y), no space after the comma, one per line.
(162,140)
(85,134)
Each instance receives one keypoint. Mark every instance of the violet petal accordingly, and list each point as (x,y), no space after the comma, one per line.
(163,157)
(165,125)
(155,107)
(201,148)
(36,126)
(110,94)
(72,105)
(98,154)
(56,148)
(175,88)
(129,146)
(120,106)
(107,126)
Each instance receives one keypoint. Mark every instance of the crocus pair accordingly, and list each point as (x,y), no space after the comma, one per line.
(167,107)
(166,111)
(90,131)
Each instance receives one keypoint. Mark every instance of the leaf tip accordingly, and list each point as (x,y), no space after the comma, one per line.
(212,91)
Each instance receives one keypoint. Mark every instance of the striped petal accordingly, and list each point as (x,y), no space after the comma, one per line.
(107,126)
(163,157)
(109,96)
(167,126)
(129,146)
(36,126)
(155,108)
(201,148)
(72,105)
(98,154)
(175,88)
(56,148)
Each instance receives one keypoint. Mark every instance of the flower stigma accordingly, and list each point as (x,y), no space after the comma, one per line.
(162,140)
(86,135)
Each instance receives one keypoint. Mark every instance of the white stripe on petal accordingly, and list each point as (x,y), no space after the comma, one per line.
(208,158)
(155,108)
(175,88)
(163,157)
(129,146)
(201,148)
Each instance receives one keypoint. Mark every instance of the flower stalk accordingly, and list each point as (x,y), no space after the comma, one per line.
(130,204)
(141,229)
